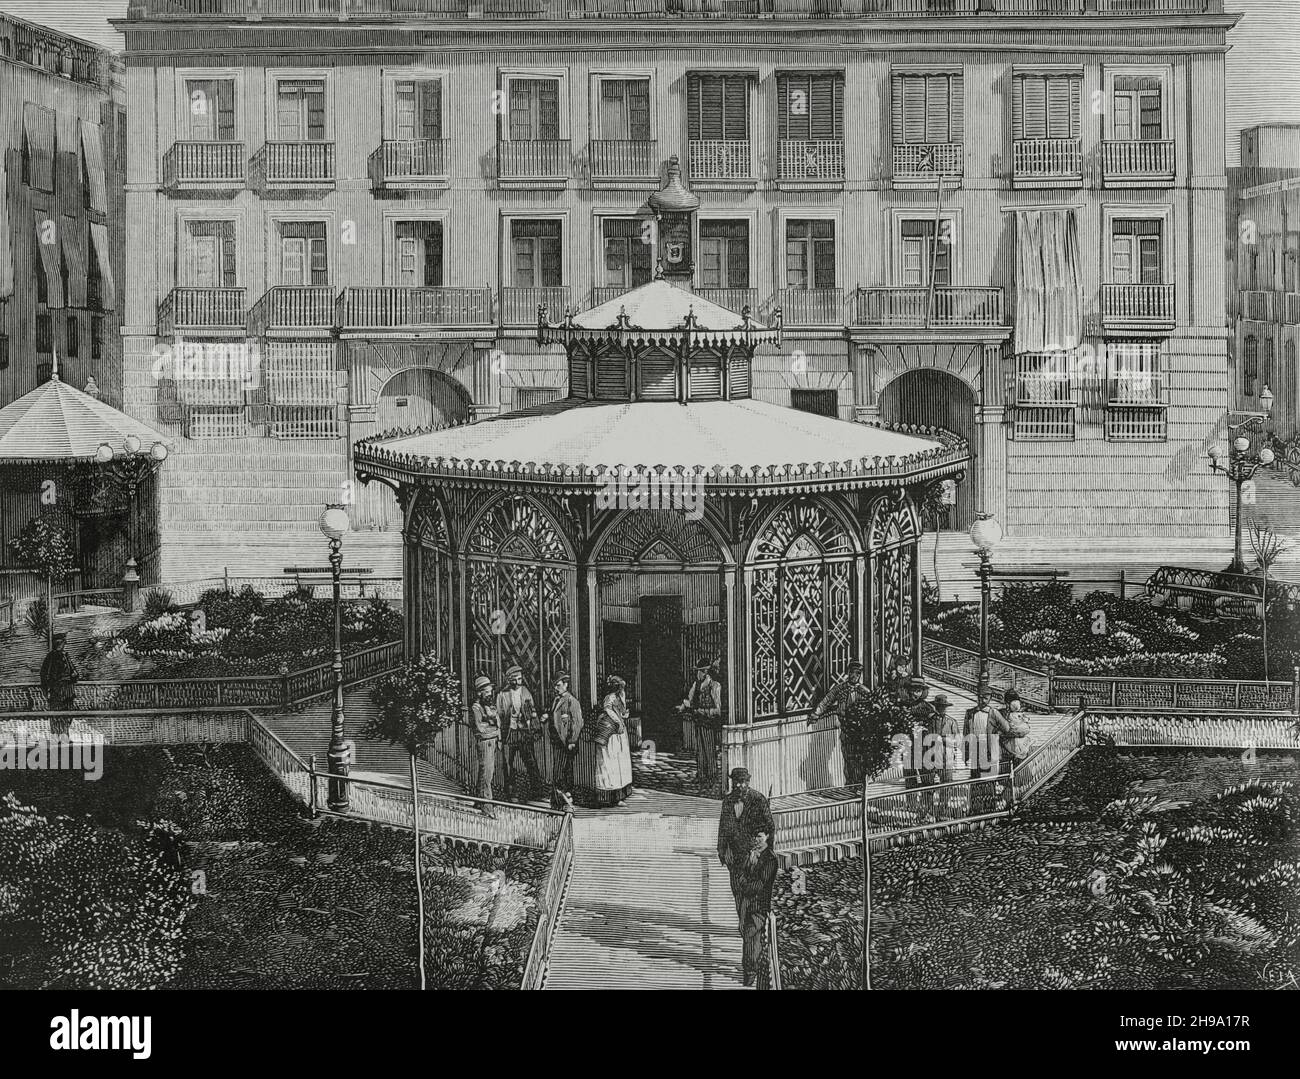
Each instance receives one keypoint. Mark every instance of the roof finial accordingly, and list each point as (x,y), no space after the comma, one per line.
(54,363)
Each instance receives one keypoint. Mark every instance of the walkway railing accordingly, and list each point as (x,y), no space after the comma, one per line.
(235,691)
(550,903)
(1207,730)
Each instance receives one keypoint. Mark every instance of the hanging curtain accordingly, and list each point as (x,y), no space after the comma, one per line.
(1048,315)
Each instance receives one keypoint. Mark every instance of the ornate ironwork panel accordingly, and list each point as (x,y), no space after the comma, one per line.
(802,637)
(763,606)
(519,597)
(430,545)
(893,522)
(839,615)
(657,535)
(893,609)
(804,528)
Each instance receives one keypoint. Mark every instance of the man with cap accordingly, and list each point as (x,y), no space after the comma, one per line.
(566,723)
(703,705)
(487,730)
(520,729)
(746,816)
(843,694)
(59,680)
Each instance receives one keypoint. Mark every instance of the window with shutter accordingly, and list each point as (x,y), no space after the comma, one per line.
(417,249)
(927,108)
(304,253)
(1136,108)
(209,260)
(300,110)
(534,110)
(810,106)
(923,258)
(211,105)
(536,253)
(724,254)
(417,110)
(1137,251)
(717,107)
(1046,106)
(627,256)
(810,254)
(625,109)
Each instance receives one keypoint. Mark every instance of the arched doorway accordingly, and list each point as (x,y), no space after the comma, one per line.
(413,399)
(934,398)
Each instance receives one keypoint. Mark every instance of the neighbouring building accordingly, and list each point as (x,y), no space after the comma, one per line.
(999,217)
(62,145)
(1264,306)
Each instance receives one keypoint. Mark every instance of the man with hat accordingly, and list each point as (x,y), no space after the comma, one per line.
(745,828)
(566,723)
(487,730)
(703,705)
(915,691)
(842,695)
(520,729)
(59,680)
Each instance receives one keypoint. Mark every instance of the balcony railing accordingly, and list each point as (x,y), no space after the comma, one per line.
(412,161)
(810,159)
(811,306)
(54,52)
(1291,308)
(400,307)
(1043,379)
(293,307)
(1257,306)
(202,309)
(1136,388)
(733,299)
(927,160)
(534,159)
(518,306)
(720,159)
(1047,159)
(631,9)
(1144,305)
(292,164)
(1149,159)
(949,306)
(204,165)
(624,159)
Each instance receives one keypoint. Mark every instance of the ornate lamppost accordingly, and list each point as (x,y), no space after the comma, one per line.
(985,534)
(1240,461)
(334,526)
(130,467)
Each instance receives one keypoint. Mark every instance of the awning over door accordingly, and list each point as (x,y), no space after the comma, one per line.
(74,253)
(92,144)
(1048,314)
(99,238)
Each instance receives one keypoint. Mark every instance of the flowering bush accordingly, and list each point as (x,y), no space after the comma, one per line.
(413,703)
(1038,639)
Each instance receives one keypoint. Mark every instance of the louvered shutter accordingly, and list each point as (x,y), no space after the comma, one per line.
(229,276)
(706,376)
(1062,107)
(956,107)
(738,256)
(318,252)
(611,375)
(638,109)
(736,107)
(521,111)
(548,109)
(657,375)
(908,108)
(225,99)
(824,263)
(550,258)
(1018,108)
(694,107)
(431,110)
(316,113)
(827,107)
(1034,95)
(937,126)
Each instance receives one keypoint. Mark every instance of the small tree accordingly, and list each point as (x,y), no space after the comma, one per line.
(44,546)
(867,732)
(412,704)
(1268,547)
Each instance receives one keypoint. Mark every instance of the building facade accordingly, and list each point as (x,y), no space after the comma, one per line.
(969,215)
(1264,307)
(62,144)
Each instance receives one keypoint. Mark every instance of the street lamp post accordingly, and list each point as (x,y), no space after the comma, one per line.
(1240,461)
(131,466)
(985,534)
(334,525)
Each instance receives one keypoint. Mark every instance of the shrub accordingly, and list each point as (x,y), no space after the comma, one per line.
(157,601)
(37,617)
(867,730)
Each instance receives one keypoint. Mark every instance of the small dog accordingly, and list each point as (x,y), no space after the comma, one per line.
(561,800)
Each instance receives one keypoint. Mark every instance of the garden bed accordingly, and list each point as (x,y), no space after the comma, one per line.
(1040,626)
(1168,870)
(190,868)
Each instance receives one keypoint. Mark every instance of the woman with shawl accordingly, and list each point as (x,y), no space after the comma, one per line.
(607,731)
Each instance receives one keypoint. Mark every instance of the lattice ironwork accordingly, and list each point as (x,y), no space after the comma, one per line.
(804,528)
(515,527)
(648,535)
(893,609)
(802,637)
(764,602)
(893,523)
(520,601)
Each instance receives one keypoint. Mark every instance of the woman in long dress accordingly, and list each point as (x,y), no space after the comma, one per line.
(607,729)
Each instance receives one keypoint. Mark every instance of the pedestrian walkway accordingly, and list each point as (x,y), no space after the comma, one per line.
(649,905)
